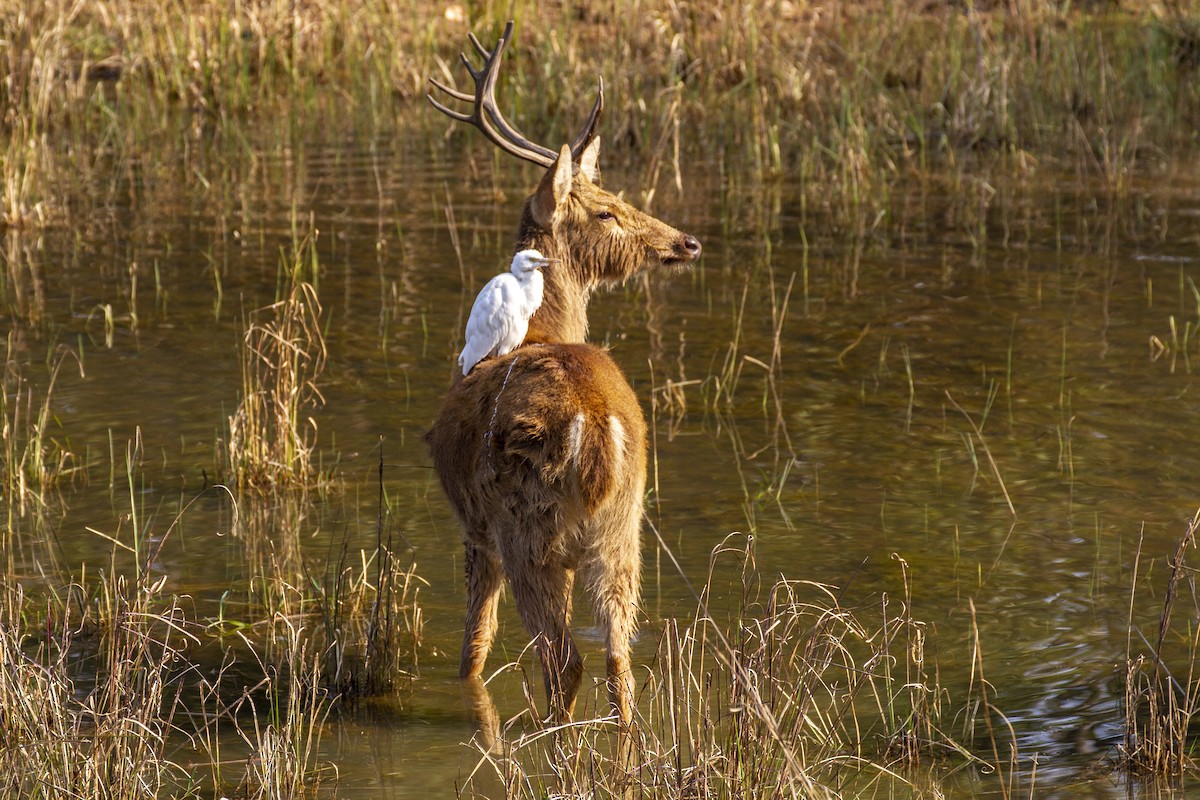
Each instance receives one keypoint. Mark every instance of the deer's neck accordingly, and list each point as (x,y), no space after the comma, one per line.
(562,317)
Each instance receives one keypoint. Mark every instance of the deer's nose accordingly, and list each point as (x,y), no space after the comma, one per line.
(691,245)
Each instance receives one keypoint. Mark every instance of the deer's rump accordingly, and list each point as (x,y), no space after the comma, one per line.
(549,430)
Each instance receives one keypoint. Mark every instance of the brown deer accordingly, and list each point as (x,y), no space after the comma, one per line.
(542,452)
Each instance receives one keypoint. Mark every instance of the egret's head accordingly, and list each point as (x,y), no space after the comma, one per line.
(527,261)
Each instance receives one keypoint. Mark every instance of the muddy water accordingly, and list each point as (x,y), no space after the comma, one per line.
(967,383)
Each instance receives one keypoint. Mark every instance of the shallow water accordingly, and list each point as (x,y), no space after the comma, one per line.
(851,447)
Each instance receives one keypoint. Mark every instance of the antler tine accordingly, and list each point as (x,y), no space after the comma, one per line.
(457,95)
(589,127)
(483,51)
(486,116)
(466,63)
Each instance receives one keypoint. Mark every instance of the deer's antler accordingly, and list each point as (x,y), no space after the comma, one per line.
(487,117)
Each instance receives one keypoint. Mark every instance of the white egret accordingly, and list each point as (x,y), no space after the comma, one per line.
(500,317)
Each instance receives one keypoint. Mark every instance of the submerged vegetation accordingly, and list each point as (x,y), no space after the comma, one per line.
(160,187)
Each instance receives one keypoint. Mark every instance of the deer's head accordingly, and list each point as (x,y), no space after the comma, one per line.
(597,238)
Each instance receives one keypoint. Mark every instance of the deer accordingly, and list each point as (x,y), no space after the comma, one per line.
(541,452)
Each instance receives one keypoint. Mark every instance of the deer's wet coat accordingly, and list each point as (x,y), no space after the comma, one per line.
(542,452)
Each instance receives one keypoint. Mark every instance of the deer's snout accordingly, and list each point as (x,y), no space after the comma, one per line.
(690,246)
(684,249)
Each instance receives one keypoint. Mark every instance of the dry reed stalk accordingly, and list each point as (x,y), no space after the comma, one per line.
(35,461)
(272,434)
(283,722)
(847,99)
(986,451)
(795,697)
(1160,707)
(372,628)
(65,736)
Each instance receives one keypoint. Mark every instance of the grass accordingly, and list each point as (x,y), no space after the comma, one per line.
(108,686)
(36,461)
(272,435)
(797,695)
(372,628)
(847,99)
(107,740)
(788,693)
(794,695)
(1161,700)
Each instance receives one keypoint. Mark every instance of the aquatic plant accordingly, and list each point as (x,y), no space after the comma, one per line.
(35,461)
(1161,700)
(849,99)
(272,433)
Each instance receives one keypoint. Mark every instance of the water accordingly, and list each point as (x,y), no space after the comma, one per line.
(952,359)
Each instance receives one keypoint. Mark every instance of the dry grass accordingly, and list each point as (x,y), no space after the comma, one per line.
(1161,703)
(371,621)
(849,99)
(279,722)
(68,734)
(35,460)
(272,435)
(105,691)
(794,695)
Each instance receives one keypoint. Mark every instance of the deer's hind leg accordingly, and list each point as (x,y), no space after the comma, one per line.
(613,577)
(484,581)
(543,596)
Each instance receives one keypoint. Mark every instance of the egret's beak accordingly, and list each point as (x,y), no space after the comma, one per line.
(542,262)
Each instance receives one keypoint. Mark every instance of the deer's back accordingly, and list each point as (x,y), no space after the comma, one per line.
(551,431)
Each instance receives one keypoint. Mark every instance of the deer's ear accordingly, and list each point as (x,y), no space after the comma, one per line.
(589,162)
(550,200)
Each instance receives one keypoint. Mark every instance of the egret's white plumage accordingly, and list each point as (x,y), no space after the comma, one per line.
(500,317)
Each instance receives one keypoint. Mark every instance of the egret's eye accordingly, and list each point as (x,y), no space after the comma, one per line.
(605,215)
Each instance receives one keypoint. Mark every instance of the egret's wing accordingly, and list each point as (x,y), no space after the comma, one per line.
(511,322)
(485,326)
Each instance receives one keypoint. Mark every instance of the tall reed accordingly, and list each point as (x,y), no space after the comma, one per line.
(849,100)
(97,733)
(1162,686)
(35,460)
(272,435)
(371,622)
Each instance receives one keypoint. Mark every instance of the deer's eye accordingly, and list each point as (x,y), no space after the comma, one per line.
(605,215)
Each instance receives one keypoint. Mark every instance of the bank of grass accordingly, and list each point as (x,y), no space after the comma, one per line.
(848,98)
